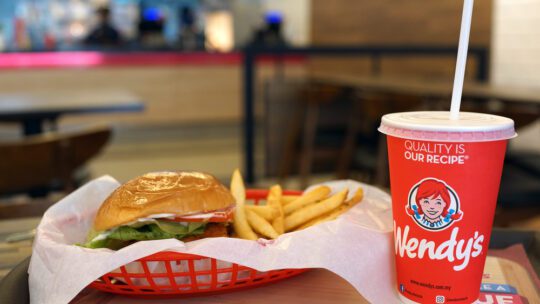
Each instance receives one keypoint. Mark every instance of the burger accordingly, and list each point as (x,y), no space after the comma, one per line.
(183,205)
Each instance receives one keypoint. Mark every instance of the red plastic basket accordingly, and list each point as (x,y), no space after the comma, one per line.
(180,274)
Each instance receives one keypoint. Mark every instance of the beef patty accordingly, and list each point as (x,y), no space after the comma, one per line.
(212,230)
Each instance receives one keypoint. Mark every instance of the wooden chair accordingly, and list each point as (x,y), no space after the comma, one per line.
(48,160)
(316,111)
(361,143)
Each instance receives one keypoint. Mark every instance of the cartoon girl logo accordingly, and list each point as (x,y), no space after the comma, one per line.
(433,204)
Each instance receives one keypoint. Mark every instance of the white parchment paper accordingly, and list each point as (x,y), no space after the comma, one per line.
(356,246)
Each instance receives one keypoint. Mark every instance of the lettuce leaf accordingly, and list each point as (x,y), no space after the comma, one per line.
(124,235)
(180,228)
(106,243)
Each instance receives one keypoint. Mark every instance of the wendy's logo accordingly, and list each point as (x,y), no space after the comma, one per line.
(433,204)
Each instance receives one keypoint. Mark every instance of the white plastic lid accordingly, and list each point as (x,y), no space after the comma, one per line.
(437,126)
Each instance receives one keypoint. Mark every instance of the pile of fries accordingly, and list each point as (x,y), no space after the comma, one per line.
(286,213)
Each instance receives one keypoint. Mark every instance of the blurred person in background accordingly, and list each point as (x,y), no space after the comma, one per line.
(191,38)
(271,33)
(104,34)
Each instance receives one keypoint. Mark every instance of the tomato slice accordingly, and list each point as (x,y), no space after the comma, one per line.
(218,216)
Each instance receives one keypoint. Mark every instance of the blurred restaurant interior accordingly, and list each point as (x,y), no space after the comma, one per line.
(287,91)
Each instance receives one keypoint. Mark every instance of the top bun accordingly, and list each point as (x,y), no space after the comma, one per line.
(180,193)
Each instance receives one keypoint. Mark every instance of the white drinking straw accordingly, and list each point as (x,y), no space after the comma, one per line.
(461,58)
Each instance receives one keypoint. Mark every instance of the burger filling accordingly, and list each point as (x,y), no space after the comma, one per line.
(163,226)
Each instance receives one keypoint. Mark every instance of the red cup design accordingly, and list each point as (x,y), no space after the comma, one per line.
(444,196)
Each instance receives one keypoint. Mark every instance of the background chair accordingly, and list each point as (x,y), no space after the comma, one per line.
(316,131)
(326,128)
(38,164)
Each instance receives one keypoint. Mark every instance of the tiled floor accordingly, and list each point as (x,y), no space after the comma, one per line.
(134,151)
(215,149)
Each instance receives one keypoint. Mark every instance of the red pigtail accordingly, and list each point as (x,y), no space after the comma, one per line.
(456,217)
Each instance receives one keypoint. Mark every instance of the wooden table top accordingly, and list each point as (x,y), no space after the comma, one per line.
(432,88)
(315,286)
(68,102)
(12,254)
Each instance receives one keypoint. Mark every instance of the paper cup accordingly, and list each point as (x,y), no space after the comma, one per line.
(444,179)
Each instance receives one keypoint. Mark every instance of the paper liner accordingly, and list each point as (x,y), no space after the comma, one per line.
(356,246)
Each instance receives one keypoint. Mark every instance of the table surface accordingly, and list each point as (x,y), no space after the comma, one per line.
(12,105)
(12,254)
(321,286)
(431,88)
(314,286)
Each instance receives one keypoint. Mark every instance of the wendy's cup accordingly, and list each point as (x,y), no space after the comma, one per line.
(444,179)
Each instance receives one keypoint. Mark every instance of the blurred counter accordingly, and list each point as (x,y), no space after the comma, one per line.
(100,59)
(177,87)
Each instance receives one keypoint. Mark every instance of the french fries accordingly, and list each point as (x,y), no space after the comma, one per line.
(286,199)
(310,212)
(260,225)
(312,196)
(357,197)
(332,215)
(266,212)
(240,222)
(274,201)
(281,213)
